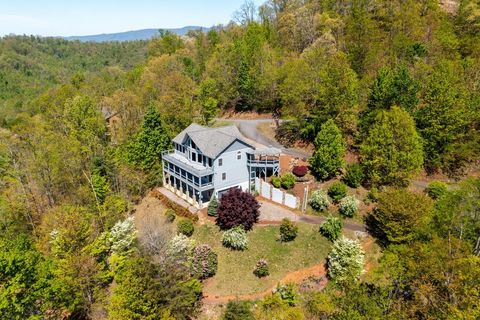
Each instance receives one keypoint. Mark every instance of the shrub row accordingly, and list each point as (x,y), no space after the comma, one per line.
(286,181)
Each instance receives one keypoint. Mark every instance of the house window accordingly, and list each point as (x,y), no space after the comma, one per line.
(220,162)
(209,162)
(224,176)
(193,145)
(194,156)
(239,155)
(200,158)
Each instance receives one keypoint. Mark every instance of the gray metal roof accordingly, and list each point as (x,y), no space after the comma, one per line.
(181,136)
(210,141)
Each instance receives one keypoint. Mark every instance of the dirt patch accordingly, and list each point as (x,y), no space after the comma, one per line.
(287,162)
(147,207)
(268,129)
(449,6)
(351,157)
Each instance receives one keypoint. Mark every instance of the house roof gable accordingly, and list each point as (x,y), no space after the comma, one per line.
(211,141)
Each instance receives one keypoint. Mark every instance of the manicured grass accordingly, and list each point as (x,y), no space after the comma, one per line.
(235,268)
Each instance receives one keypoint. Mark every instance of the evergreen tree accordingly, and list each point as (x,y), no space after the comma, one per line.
(394,87)
(392,150)
(212,206)
(443,118)
(153,138)
(329,151)
(100,187)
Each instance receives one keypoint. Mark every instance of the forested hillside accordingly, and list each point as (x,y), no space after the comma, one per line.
(399,80)
(30,66)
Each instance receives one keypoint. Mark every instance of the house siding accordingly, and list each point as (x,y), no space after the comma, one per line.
(235,169)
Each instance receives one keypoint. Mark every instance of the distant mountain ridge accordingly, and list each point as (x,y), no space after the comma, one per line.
(144,34)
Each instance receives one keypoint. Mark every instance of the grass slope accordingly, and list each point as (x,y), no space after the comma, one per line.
(235,268)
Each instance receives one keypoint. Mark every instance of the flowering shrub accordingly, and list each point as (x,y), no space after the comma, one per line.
(261,268)
(300,171)
(288,231)
(170,215)
(185,226)
(337,191)
(345,261)
(204,264)
(319,200)
(180,249)
(348,206)
(235,238)
(122,236)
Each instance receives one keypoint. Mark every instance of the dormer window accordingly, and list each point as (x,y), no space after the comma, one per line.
(220,162)
(239,155)
(193,144)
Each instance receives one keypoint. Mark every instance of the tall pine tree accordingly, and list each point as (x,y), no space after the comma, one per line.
(146,148)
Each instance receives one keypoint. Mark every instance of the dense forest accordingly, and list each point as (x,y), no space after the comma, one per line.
(398,79)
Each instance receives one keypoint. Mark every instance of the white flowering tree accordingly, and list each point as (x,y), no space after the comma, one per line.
(319,200)
(180,249)
(235,238)
(122,236)
(348,206)
(346,260)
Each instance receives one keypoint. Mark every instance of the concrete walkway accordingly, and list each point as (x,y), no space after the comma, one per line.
(173,197)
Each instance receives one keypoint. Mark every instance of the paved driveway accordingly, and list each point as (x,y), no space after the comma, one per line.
(249,129)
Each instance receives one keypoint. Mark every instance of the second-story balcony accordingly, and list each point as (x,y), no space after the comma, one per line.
(263,162)
(181,161)
(264,157)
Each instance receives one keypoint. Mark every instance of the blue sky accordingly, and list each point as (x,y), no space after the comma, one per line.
(84,17)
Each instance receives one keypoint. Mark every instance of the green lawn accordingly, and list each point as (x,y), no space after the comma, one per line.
(235,268)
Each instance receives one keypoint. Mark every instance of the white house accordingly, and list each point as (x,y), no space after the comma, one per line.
(207,161)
